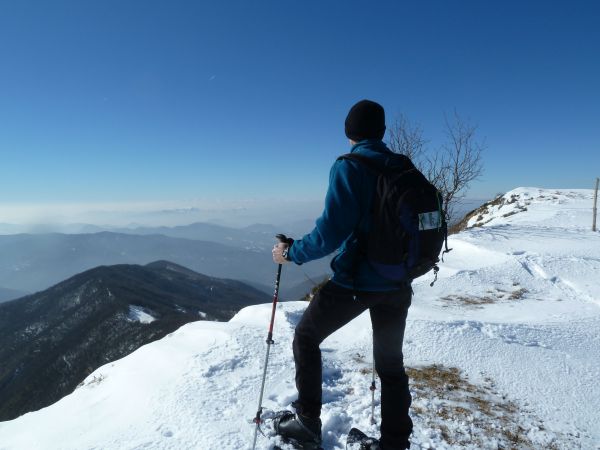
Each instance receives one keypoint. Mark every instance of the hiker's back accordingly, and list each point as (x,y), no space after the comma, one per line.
(402,226)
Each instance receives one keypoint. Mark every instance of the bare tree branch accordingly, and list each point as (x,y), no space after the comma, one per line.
(407,139)
(462,156)
(451,169)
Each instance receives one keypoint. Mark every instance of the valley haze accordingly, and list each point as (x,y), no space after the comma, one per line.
(70,217)
(289,215)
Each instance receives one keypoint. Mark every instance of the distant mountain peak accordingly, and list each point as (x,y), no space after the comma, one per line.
(98,316)
(168,265)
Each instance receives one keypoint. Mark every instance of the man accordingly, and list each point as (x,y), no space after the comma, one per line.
(354,288)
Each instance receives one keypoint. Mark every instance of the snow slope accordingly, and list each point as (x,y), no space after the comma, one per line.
(516,309)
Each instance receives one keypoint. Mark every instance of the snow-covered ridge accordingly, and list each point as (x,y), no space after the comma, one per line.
(564,208)
(516,311)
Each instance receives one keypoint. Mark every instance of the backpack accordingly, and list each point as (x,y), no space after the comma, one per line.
(408,225)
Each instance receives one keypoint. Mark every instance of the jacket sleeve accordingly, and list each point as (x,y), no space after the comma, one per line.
(340,216)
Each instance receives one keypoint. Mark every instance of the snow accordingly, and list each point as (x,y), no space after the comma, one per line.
(516,310)
(139,314)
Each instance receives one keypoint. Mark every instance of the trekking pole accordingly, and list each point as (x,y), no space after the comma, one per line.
(257,420)
(373,388)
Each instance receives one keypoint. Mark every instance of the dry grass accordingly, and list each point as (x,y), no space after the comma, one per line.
(516,211)
(465,413)
(468,300)
(494,296)
(96,379)
(479,212)
(518,294)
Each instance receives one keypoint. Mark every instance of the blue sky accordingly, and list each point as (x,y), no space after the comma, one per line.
(142,101)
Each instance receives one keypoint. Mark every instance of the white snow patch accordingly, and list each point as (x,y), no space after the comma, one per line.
(139,314)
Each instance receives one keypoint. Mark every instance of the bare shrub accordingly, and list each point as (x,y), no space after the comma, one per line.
(452,167)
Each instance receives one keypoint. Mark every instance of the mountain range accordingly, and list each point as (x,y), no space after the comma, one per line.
(33,262)
(10,294)
(50,341)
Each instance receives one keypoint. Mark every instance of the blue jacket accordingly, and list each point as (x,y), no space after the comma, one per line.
(345,219)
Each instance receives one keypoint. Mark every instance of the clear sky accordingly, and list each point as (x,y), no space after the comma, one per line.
(160,101)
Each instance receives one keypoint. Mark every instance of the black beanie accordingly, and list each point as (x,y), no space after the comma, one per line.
(366,120)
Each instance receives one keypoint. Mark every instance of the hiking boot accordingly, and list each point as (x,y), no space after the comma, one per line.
(301,431)
(357,440)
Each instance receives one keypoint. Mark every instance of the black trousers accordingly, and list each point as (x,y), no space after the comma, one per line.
(333,307)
